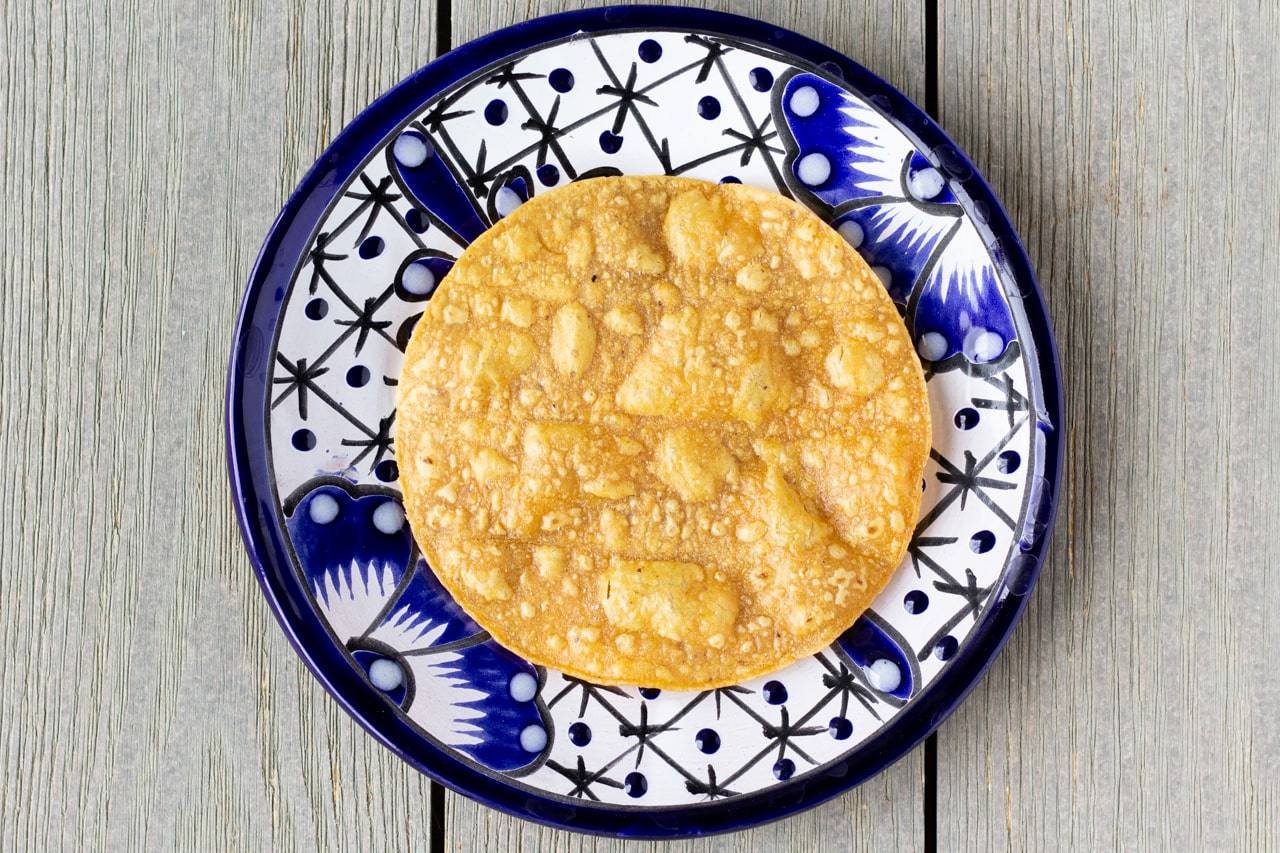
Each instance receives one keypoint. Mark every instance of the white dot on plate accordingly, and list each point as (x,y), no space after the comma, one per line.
(852,233)
(884,675)
(804,101)
(418,279)
(522,686)
(507,201)
(883,273)
(410,150)
(931,346)
(386,674)
(533,738)
(983,345)
(323,509)
(813,169)
(388,517)
(925,184)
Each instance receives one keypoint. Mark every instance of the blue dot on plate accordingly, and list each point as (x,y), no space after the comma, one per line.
(707,741)
(317,309)
(966,418)
(650,50)
(709,108)
(946,648)
(387,471)
(774,692)
(761,79)
(371,247)
(610,143)
(496,112)
(982,542)
(417,220)
(1008,462)
(304,439)
(783,769)
(840,728)
(548,174)
(635,785)
(649,692)
(915,601)
(731,179)
(580,734)
(561,79)
(358,376)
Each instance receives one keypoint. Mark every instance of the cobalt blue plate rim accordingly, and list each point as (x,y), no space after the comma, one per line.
(248,384)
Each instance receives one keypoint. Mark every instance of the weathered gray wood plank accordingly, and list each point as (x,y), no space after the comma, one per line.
(1134,144)
(886,813)
(149,699)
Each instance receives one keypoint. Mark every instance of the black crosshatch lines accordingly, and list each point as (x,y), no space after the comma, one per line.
(624,108)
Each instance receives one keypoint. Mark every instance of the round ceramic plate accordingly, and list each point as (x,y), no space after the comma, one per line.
(358,250)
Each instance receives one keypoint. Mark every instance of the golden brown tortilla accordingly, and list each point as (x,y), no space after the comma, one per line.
(660,432)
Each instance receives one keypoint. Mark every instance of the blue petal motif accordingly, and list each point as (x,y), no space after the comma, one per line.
(406,633)
(961,317)
(897,209)
(894,237)
(866,159)
(480,700)
(425,615)
(353,550)
(870,640)
(330,527)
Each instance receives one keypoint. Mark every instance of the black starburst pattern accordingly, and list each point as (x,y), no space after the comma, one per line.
(587,691)
(379,444)
(969,480)
(374,201)
(626,94)
(300,379)
(319,256)
(919,554)
(711,789)
(582,779)
(366,322)
(643,731)
(972,594)
(1011,400)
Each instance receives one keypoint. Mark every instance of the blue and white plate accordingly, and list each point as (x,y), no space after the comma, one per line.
(379,220)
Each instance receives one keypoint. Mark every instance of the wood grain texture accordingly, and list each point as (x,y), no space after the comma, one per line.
(886,813)
(1134,144)
(149,699)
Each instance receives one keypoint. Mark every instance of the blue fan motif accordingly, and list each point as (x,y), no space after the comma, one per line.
(898,209)
(409,637)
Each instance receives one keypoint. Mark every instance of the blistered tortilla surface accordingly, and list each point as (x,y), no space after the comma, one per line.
(660,432)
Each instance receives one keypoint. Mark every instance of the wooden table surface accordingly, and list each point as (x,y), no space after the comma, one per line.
(149,699)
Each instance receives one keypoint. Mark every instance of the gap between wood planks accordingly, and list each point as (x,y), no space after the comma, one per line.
(444,43)
(930,805)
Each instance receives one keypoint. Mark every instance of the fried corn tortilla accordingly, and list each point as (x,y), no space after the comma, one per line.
(659,432)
